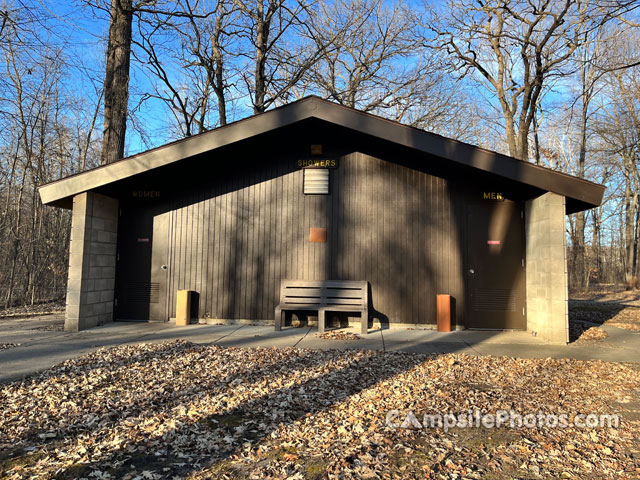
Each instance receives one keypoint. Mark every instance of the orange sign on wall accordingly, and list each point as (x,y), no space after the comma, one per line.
(318,235)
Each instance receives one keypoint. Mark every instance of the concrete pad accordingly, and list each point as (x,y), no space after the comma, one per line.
(22,337)
(26,330)
(40,350)
(424,341)
(256,336)
(474,337)
(18,362)
(614,355)
(35,321)
(528,351)
(467,337)
(31,325)
(434,348)
(267,330)
(221,329)
(623,338)
(401,336)
(193,333)
(462,341)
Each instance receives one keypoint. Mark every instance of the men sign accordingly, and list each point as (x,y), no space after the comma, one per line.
(496,196)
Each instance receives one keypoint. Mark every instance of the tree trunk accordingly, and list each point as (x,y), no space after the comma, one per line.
(116,81)
(536,139)
(16,245)
(595,246)
(579,253)
(222,101)
(634,261)
(523,141)
(579,244)
(262,34)
(629,205)
(218,84)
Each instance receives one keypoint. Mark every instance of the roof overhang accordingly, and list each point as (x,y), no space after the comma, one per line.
(581,194)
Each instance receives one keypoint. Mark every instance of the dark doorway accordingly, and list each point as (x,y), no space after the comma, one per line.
(141,268)
(495,266)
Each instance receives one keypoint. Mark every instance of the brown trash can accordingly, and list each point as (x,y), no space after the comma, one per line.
(444,313)
(183,307)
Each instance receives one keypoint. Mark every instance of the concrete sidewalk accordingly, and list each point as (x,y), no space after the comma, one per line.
(39,347)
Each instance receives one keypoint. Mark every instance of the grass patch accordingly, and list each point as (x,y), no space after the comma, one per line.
(280,453)
(315,468)
(229,420)
(484,438)
(77,470)
(221,469)
(18,458)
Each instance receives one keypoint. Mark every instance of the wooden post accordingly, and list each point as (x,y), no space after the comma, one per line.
(444,313)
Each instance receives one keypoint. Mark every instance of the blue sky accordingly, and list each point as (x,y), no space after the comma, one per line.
(84,32)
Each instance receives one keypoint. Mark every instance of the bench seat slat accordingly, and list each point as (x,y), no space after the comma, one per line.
(303,303)
(341,292)
(342,308)
(310,300)
(302,284)
(344,284)
(342,301)
(302,292)
(324,283)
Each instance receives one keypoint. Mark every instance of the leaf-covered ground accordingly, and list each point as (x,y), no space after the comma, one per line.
(196,411)
(586,314)
(619,308)
(31,310)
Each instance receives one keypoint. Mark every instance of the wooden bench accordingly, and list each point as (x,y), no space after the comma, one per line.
(324,296)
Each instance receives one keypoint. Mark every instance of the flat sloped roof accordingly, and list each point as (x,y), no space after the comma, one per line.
(581,194)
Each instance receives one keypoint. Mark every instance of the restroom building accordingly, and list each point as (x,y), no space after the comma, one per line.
(317,191)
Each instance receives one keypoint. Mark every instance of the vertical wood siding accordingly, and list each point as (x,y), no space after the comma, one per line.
(235,240)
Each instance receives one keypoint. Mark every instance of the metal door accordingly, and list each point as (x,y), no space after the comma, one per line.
(495,266)
(141,271)
(159,267)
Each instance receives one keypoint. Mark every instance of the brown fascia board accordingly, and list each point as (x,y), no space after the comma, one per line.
(511,168)
(176,151)
(584,192)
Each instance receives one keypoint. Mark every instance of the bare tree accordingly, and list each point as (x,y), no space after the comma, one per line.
(116,81)
(118,59)
(42,138)
(618,127)
(209,45)
(187,55)
(516,48)
(590,77)
(369,65)
(273,29)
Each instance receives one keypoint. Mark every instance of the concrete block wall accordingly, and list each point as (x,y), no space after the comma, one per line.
(92,261)
(546,267)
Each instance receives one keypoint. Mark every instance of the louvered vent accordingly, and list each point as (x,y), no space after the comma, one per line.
(316,181)
(494,299)
(143,292)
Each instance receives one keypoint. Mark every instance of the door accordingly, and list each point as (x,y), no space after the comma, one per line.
(141,275)
(495,266)
(158,306)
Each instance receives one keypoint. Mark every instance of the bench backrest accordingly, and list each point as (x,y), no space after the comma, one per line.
(325,293)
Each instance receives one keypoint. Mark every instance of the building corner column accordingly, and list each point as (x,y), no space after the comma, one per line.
(92,261)
(546,268)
